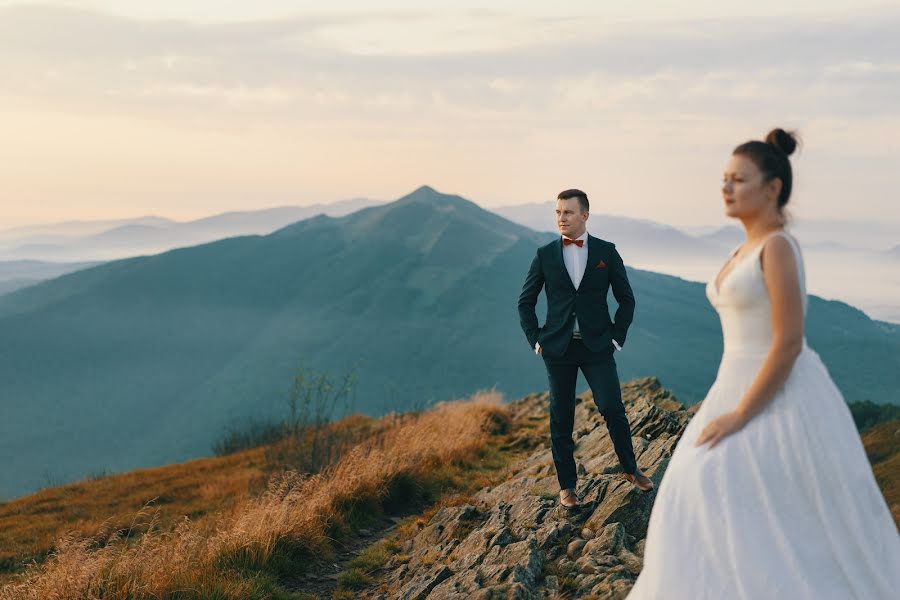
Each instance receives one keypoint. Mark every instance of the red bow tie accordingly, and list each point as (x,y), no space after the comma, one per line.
(567,241)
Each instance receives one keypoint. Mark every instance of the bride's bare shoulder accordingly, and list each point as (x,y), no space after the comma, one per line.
(777,255)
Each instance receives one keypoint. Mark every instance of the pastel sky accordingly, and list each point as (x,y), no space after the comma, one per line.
(192,107)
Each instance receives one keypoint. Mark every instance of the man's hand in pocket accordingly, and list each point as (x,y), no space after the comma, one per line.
(538,349)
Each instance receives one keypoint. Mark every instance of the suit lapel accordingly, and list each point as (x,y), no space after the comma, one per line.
(591,256)
(562,262)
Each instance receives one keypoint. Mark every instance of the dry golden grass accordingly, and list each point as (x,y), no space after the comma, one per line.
(29,526)
(234,553)
(882,444)
(95,508)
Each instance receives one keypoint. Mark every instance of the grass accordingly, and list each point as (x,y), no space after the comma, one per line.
(458,482)
(375,556)
(882,443)
(97,507)
(104,503)
(241,550)
(354,579)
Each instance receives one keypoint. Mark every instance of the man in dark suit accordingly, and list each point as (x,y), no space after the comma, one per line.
(577,271)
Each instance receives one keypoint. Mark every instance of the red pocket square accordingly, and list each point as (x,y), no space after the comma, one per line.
(601,265)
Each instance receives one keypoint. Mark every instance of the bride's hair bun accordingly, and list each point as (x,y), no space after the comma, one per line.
(783,140)
(771,158)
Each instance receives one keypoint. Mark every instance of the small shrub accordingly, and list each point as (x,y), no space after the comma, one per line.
(867,414)
(252,433)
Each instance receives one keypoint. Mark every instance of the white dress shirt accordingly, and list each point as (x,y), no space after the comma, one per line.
(575,258)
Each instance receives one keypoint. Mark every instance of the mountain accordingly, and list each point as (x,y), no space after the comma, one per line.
(66,230)
(16,274)
(639,239)
(860,235)
(728,236)
(107,240)
(144,361)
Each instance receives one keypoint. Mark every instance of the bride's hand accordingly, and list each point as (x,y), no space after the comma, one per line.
(720,428)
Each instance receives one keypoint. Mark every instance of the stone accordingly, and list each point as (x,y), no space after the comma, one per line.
(573,550)
(420,587)
(587,564)
(608,540)
(631,561)
(549,534)
(522,562)
(503,538)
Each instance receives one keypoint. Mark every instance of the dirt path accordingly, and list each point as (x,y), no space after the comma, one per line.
(322,580)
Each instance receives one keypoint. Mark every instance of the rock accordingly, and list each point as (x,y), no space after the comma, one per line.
(587,564)
(574,548)
(565,564)
(631,561)
(510,535)
(608,540)
(503,538)
(549,534)
(524,559)
(445,524)
(420,587)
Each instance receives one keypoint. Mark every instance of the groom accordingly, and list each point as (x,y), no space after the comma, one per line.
(577,271)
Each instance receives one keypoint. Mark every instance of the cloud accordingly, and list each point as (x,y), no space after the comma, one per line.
(59,55)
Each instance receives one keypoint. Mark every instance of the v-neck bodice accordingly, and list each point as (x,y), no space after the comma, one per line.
(742,300)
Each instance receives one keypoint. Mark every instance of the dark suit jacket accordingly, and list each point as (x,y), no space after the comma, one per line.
(548,270)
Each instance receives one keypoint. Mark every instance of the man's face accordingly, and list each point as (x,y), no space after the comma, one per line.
(569,218)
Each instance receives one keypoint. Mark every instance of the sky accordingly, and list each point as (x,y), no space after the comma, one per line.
(189,108)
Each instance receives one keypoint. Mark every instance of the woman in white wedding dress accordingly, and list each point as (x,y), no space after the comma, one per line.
(768,493)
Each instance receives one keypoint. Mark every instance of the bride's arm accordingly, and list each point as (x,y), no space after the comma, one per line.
(783,285)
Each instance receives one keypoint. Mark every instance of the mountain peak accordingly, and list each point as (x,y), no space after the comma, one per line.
(429,195)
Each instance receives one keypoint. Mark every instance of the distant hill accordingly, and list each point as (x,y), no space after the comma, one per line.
(112,239)
(639,239)
(16,274)
(143,361)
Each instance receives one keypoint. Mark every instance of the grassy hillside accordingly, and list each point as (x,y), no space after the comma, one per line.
(243,548)
(883,449)
(102,505)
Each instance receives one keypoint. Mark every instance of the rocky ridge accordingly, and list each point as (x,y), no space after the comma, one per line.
(513,541)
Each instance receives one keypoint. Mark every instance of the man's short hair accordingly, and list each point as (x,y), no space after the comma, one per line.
(582,198)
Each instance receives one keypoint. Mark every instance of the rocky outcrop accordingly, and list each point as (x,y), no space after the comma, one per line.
(514,542)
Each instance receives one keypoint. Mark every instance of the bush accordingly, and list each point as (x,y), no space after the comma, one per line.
(249,434)
(867,414)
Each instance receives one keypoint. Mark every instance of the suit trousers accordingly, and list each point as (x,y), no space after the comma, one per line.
(599,370)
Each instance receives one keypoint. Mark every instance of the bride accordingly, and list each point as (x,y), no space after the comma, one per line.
(768,493)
